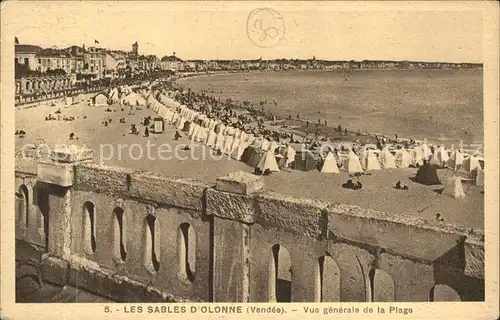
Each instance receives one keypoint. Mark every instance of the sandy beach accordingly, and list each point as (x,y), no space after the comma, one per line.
(198,164)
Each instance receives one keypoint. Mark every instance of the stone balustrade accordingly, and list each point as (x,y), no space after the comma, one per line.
(139,236)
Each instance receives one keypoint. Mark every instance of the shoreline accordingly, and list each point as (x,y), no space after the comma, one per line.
(353,135)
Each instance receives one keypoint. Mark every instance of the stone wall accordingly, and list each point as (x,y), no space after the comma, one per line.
(229,242)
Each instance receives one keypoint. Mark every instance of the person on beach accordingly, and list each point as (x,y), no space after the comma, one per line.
(177,135)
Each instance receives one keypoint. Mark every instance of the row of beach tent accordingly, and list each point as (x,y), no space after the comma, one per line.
(263,154)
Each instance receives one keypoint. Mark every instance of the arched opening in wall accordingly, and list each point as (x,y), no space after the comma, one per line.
(42,201)
(442,292)
(327,280)
(382,286)
(26,61)
(152,250)
(23,205)
(186,243)
(119,235)
(90,244)
(280,275)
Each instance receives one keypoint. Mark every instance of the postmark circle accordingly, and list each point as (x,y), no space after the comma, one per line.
(265,27)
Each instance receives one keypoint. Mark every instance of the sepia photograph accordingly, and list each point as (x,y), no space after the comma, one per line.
(248,152)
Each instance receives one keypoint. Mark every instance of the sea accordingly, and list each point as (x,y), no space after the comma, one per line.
(441,106)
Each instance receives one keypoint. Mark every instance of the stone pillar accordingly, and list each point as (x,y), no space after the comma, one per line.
(231,205)
(57,176)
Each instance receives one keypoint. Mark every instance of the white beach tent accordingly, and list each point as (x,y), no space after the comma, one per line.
(196,128)
(212,136)
(402,158)
(202,135)
(454,188)
(370,161)
(470,164)
(455,161)
(440,156)
(228,143)
(266,145)
(417,156)
(387,159)
(268,162)
(191,130)
(238,150)
(330,164)
(288,154)
(219,142)
(352,163)
(236,143)
(134,99)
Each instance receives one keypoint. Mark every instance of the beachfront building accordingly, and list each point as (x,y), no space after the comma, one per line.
(25,55)
(77,59)
(114,62)
(172,63)
(53,59)
(95,61)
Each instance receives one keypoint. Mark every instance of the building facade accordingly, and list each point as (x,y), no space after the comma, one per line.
(25,54)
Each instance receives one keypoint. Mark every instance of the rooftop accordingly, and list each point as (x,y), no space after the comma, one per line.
(26,48)
(56,53)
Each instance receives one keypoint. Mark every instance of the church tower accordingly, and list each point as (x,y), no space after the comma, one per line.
(135,49)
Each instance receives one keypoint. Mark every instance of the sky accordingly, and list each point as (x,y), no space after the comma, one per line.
(216,30)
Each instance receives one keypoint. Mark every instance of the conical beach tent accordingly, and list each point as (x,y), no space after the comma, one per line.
(417,156)
(454,188)
(330,164)
(455,161)
(288,154)
(268,162)
(219,142)
(440,156)
(402,158)
(370,161)
(469,164)
(352,163)
(427,175)
(426,151)
(304,161)
(228,143)
(212,136)
(387,159)
(238,150)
